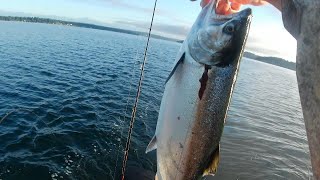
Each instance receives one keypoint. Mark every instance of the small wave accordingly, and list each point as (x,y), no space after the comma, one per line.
(47,73)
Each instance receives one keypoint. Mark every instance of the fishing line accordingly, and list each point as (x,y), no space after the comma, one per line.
(125,114)
(134,110)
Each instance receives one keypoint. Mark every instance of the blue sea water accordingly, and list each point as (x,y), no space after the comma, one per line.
(66,96)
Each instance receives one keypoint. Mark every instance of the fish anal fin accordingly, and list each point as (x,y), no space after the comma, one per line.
(176,66)
(152,145)
(213,164)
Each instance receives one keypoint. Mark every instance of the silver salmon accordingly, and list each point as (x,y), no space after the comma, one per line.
(197,95)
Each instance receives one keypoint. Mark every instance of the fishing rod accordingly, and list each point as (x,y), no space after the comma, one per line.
(134,110)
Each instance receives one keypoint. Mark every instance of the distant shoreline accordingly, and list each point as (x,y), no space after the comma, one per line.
(270,60)
(82,25)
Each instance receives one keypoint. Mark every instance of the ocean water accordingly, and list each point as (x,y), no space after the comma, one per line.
(66,96)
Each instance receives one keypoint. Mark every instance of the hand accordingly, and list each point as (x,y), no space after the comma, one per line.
(226,7)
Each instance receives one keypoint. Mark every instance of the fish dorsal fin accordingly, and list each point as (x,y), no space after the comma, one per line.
(213,164)
(152,145)
(176,66)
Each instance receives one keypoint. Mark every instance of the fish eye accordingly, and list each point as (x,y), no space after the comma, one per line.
(229,28)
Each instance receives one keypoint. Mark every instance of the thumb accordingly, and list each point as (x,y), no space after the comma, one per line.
(250,2)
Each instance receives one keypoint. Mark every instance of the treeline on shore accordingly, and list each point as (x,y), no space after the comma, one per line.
(271,60)
(78,24)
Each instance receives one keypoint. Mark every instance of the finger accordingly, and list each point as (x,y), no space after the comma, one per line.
(223,1)
(251,2)
(242,1)
(232,10)
(235,6)
(223,7)
(259,3)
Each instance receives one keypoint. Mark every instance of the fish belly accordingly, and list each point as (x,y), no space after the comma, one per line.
(176,117)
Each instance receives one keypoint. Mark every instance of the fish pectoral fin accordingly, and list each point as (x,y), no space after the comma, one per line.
(152,144)
(213,164)
(175,67)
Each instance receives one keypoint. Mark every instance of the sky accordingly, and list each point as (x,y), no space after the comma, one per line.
(173,19)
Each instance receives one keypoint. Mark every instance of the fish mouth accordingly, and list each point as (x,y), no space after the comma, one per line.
(246,13)
(211,12)
(213,6)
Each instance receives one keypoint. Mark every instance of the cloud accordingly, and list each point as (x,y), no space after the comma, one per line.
(129,6)
(119,4)
(277,43)
(177,30)
(169,30)
(122,5)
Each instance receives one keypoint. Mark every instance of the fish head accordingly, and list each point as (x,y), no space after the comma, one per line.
(218,39)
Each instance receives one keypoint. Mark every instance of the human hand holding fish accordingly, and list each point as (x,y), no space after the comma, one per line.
(226,7)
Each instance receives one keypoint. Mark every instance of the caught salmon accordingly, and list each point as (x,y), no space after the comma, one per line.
(197,95)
